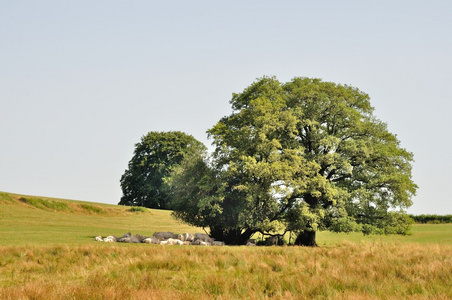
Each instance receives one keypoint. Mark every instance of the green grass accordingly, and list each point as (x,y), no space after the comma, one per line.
(5,197)
(26,220)
(47,251)
(33,223)
(421,233)
(137,209)
(46,204)
(92,209)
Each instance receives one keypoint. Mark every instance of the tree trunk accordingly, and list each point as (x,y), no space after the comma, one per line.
(306,238)
(245,236)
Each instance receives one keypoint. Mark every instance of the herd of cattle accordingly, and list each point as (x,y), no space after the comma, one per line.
(167,238)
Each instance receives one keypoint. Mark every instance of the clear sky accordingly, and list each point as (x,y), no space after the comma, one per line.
(82,81)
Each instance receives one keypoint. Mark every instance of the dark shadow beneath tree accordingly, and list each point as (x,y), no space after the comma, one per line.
(231,236)
(306,238)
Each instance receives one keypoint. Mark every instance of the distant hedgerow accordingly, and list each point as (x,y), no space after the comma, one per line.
(432,219)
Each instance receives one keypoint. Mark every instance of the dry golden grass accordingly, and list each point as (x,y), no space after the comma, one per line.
(124,271)
(47,251)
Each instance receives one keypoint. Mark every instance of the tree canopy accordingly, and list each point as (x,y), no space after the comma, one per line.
(300,156)
(143,183)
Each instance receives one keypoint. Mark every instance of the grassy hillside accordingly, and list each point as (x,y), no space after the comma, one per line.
(29,220)
(47,251)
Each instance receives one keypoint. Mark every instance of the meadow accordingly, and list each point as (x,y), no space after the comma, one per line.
(47,251)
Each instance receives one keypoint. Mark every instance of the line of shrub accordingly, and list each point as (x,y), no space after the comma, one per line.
(432,219)
(46,204)
(92,208)
(137,209)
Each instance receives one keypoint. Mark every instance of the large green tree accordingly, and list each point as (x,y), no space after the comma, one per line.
(237,194)
(303,156)
(362,179)
(143,183)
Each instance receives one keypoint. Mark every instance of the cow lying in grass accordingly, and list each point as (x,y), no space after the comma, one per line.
(164,238)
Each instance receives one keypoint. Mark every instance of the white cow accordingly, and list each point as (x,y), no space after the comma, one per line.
(200,243)
(151,240)
(98,239)
(110,239)
(174,242)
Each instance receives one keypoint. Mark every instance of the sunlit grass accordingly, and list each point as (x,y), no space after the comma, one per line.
(22,223)
(77,222)
(369,270)
(421,233)
(49,253)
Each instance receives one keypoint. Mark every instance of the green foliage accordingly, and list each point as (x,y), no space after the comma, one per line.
(143,183)
(432,219)
(308,154)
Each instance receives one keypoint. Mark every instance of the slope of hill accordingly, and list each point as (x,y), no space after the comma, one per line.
(26,220)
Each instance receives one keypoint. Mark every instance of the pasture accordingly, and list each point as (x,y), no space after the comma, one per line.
(47,251)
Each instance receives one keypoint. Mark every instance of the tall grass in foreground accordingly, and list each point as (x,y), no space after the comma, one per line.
(124,271)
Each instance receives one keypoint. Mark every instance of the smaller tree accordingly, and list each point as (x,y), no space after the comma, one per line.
(143,183)
(203,197)
(194,187)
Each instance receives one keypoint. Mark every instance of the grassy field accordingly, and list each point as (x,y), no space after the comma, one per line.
(27,220)
(47,251)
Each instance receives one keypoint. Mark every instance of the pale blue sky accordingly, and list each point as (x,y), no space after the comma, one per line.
(82,81)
